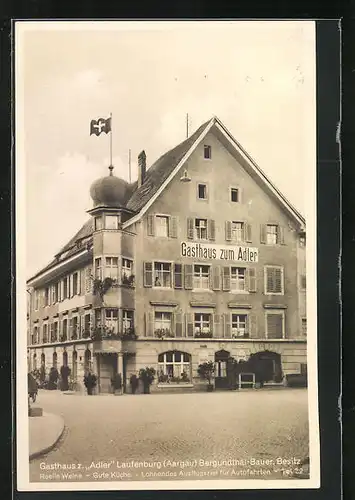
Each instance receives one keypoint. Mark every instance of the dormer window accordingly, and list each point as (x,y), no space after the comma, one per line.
(207,152)
(98,223)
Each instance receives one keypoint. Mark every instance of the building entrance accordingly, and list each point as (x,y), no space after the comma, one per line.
(221,369)
(268,366)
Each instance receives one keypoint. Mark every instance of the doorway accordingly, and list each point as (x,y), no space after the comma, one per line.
(221,369)
(267,366)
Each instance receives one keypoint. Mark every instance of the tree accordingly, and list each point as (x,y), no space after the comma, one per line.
(206,371)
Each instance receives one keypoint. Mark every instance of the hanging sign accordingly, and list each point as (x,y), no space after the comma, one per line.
(208,251)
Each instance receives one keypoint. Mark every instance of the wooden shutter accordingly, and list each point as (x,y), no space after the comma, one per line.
(173,226)
(178,324)
(226,278)
(227,325)
(190,228)
(189,324)
(251,272)
(263,233)
(188,276)
(270,279)
(149,324)
(216,277)
(281,235)
(150,225)
(217,326)
(211,229)
(147,274)
(228,230)
(252,326)
(178,275)
(278,284)
(248,234)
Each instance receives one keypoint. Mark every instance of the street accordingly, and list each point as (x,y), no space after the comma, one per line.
(197,433)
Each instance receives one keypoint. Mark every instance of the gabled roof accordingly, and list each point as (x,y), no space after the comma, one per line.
(158,176)
(160,171)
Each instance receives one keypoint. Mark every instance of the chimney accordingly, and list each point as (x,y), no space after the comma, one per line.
(142,167)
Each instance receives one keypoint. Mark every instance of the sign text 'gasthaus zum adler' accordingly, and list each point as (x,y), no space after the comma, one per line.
(218,252)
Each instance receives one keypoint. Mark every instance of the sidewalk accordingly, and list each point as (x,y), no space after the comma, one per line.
(44,433)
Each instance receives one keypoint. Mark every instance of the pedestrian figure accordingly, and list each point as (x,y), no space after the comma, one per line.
(134,383)
(32,387)
(53,378)
(65,373)
(90,382)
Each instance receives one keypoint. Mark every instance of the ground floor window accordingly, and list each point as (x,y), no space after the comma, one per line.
(162,323)
(174,366)
(239,325)
(202,324)
(275,325)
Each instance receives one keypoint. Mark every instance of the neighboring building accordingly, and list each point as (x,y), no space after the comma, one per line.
(201,259)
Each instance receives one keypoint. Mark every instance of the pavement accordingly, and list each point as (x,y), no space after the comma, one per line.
(243,425)
(44,433)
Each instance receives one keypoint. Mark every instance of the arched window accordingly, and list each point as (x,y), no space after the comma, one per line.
(87,360)
(43,359)
(55,360)
(34,361)
(65,358)
(75,365)
(174,366)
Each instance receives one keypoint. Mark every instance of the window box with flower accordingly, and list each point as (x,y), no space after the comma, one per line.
(163,333)
(128,280)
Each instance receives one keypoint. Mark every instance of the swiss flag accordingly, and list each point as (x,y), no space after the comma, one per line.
(100,125)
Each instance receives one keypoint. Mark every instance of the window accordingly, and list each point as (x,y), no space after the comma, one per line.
(202,191)
(35,335)
(162,323)
(162,274)
(111,222)
(36,300)
(201,229)
(127,268)
(239,325)
(302,241)
(54,331)
(98,268)
(202,324)
(46,296)
(237,231)
(274,280)
(75,329)
(55,293)
(112,320)
(66,288)
(162,226)
(98,223)
(304,327)
(201,277)
(235,195)
(87,325)
(271,234)
(111,267)
(45,333)
(275,325)
(207,152)
(64,329)
(127,321)
(238,279)
(75,283)
(174,366)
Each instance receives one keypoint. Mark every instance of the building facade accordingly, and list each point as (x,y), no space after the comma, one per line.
(200,259)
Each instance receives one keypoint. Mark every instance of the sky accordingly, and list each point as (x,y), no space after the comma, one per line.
(257,77)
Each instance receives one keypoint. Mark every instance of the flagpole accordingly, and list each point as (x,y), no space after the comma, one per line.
(111,141)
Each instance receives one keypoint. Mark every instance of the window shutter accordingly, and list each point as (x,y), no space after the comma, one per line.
(78,288)
(178,324)
(190,228)
(71,288)
(228,230)
(278,285)
(263,233)
(226,279)
(217,326)
(252,326)
(147,274)
(150,225)
(211,229)
(189,325)
(173,226)
(188,276)
(281,235)
(227,326)
(216,278)
(274,325)
(252,279)
(177,275)
(248,234)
